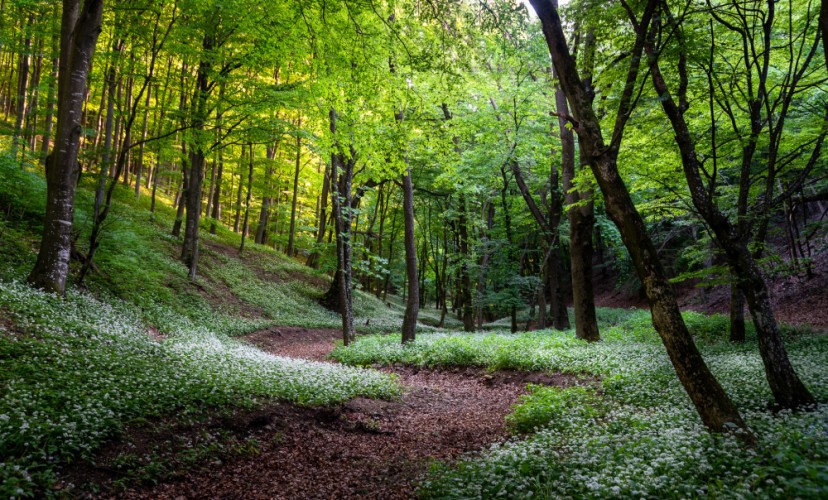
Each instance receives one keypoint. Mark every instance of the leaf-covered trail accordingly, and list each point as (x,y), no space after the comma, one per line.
(365,448)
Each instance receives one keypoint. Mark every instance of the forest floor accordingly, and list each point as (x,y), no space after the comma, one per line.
(797,300)
(364,448)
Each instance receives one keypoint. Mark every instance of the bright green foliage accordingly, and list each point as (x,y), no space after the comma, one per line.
(553,408)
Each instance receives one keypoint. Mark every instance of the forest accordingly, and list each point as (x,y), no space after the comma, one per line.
(413,249)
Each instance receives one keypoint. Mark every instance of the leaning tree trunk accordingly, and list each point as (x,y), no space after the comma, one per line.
(714,406)
(80,26)
(788,390)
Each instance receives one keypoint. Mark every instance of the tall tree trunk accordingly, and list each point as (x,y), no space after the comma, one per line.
(126,146)
(50,104)
(249,196)
(823,28)
(216,214)
(34,97)
(237,218)
(412,305)
(22,87)
(387,280)
(313,260)
(139,163)
(341,202)
(553,270)
(189,250)
(788,390)
(292,230)
(182,108)
(80,27)
(466,304)
(581,224)
(581,219)
(712,403)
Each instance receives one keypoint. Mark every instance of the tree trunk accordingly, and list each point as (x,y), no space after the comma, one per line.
(581,221)
(292,230)
(465,295)
(139,164)
(22,87)
(267,199)
(737,312)
(50,106)
(34,98)
(412,305)
(712,403)
(182,108)
(341,201)
(249,196)
(313,260)
(823,28)
(788,390)
(216,209)
(189,250)
(80,27)
(237,217)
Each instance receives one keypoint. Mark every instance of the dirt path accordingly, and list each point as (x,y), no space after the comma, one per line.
(365,448)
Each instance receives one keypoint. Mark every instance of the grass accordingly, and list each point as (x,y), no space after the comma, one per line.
(638,435)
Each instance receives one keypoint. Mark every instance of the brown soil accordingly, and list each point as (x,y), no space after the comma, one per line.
(295,342)
(796,300)
(362,449)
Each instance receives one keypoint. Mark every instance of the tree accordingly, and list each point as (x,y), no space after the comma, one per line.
(714,406)
(787,389)
(80,27)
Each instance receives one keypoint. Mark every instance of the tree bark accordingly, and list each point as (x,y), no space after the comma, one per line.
(313,260)
(341,201)
(139,164)
(22,87)
(80,27)
(50,104)
(581,221)
(412,305)
(465,294)
(249,196)
(215,215)
(823,28)
(189,249)
(292,230)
